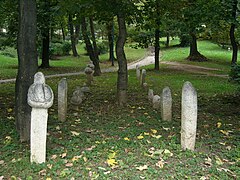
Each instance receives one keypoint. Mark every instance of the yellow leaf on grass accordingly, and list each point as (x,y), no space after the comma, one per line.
(219,124)
(224,132)
(140,137)
(141,168)
(154,131)
(160,164)
(75,158)
(48,178)
(126,139)
(9,110)
(74,133)
(218,161)
(146,134)
(112,162)
(156,136)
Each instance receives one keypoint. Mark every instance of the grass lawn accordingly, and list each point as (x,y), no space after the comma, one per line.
(104,141)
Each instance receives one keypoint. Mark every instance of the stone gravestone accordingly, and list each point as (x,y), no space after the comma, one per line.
(166,104)
(77,98)
(62,99)
(189,116)
(143,77)
(138,72)
(150,95)
(89,74)
(40,98)
(156,102)
(91,66)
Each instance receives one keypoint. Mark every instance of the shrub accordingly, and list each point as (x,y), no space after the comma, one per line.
(234,74)
(9,51)
(102,47)
(66,48)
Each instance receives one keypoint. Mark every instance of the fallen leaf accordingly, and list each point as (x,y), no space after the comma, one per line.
(57,128)
(156,136)
(154,131)
(218,161)
(90,148)
(112,162)
(54,156)
(69,165)
(208,161)
(141,168)
(140,137)
(107,172)
(49,166)
(85,159)
(224,132)
(43,172)
(166,151)
(75,158)
(1,162)
(166,129)
(160,164)
(219,124)
(126,139)
(48,178)
(146,134)
(63,155)
(74,133)
(9,110)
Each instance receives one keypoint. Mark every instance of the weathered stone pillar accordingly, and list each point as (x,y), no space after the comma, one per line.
(150,95)
(166,104)
(156,102)
(143,77)
(62,99)
(138,72)
(40,98)
(189,116)
(89,74)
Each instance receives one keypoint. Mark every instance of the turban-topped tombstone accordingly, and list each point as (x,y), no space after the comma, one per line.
(40,98)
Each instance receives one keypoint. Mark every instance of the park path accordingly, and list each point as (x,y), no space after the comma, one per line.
(144,62)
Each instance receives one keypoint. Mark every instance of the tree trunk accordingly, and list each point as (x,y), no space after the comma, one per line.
(95,48)
(45,49)
(157,48)
(232,34)
(122,80)
(77,33)
(63,32)
(157,36)
(194,54)
(72,35)
(90,50)
(27,65)
(168,40)
(110,32)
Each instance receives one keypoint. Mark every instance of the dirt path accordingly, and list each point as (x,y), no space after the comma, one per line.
(144,62)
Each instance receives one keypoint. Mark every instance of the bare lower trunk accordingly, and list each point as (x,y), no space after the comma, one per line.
(195,55)
(110,30)
(122,80)
(157,49)
(73,40)
(45,50)
(90,50)
(27,65)
(232,34)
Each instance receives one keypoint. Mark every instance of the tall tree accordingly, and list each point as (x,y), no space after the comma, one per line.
(110,34)
(122,81)
(72,35)
(27,65)
(232,31)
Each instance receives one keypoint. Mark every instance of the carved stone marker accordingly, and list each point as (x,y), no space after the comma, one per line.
(143,77)
(138,72)
(91,66)
(150,95)
(40,98)
(156,102)
(166,104)
(62,99)
(89,74)
(77,98)
(189,116)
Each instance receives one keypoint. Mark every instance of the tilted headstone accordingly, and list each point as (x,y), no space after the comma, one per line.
(150,95)
(62,99)
(189,116)
(77,98)
(143,77)
(138,72)
(166,104)
(40,98)
(156,102)
(89,74)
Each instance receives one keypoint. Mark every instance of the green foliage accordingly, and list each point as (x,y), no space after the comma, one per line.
(234,74)
(102,47)
(143,38)
(59,49)
(9,52)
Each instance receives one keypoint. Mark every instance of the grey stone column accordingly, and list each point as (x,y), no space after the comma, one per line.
(40,98)
(166,104)
(62,99)
(189,116)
